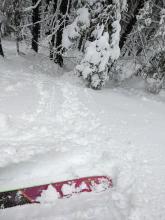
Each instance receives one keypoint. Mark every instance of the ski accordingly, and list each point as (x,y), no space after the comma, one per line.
(63,189)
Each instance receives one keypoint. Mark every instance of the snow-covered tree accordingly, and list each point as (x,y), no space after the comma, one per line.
(99,54)
(129,19)
(141,28)
(73,32)
(155,70)
(59,21)
(13,12)
(99,24)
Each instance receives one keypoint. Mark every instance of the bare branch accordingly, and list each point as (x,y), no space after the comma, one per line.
(32,7)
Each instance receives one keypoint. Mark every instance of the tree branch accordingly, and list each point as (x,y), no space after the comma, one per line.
(32,7)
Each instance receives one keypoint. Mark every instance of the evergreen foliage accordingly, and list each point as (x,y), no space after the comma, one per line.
(106,32)
(98,23)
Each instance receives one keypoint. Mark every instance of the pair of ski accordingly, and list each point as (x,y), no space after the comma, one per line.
(64,189)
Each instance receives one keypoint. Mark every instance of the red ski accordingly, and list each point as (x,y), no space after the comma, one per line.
(62,189)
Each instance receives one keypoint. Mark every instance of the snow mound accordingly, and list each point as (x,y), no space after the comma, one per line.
(48,196)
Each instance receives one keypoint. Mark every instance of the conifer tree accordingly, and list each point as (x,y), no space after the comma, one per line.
(60,10)
(99,24)
(1,21)
(1,49)
(36,25)
(154,72)
(17,20)
(134,6)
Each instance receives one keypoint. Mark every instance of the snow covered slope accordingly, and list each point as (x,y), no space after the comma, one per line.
(53,128)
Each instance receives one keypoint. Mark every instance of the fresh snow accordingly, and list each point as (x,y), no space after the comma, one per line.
(48,196)
(72,31)
(52,128)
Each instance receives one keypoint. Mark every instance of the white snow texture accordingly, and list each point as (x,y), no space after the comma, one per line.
(52,128)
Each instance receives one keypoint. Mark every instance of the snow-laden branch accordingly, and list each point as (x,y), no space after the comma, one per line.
(2,18)
(32,7)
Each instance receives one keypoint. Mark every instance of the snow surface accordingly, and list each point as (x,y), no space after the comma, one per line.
(53,128)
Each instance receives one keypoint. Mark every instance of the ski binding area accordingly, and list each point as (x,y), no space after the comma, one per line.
(63,189)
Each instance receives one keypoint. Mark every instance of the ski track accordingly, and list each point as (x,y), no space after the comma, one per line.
(52,129)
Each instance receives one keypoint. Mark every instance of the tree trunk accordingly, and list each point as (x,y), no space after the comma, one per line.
(56,40)
(52,43)
(17,20)
(1,49)
(36,26)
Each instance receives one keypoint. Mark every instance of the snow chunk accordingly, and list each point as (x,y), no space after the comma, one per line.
(102,186)
(72,31)
(124,5)
(83,16)
(48,196)
(115,50)
(68,189)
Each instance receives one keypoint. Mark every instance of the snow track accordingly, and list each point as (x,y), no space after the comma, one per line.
(52,129)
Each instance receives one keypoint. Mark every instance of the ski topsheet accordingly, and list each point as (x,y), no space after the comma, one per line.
(64,189)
